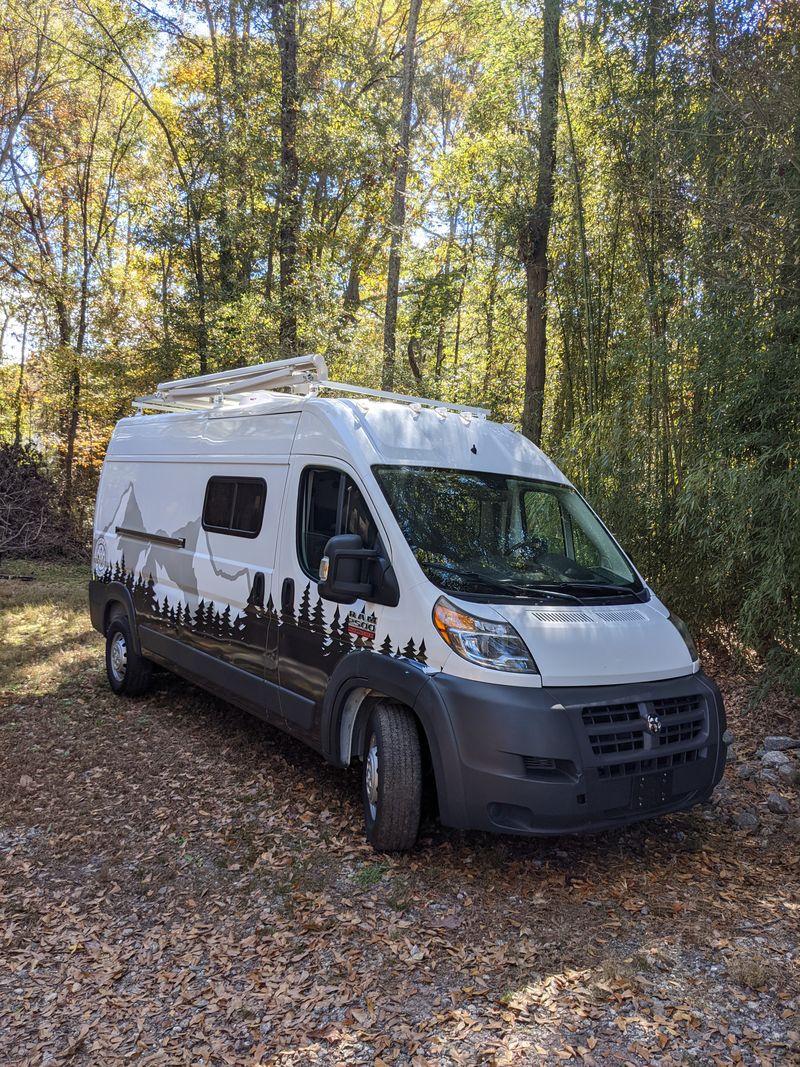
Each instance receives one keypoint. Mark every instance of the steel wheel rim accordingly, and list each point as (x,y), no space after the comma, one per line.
(118,657)
(371,777)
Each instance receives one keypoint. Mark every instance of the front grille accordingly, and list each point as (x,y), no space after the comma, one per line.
(617,731)
(675,732)
(678,705)
(608,713)
(644,766)
(624,741)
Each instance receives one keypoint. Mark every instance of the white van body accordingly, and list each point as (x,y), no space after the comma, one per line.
(211,528)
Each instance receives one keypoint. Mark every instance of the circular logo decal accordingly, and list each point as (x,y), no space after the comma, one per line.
(100,558)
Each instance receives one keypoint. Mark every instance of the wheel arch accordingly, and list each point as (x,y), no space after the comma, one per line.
(362,679)
(109,599)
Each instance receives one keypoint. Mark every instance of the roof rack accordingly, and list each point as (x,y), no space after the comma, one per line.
(197,393)
(306,375)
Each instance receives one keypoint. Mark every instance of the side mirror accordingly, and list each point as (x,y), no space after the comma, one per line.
(350,572)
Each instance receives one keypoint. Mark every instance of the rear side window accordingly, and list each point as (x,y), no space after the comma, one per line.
(234,506)
(330,503)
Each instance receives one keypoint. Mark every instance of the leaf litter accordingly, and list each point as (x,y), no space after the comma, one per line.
(182,884)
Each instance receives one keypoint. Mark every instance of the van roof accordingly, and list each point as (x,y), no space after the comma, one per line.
(382,431)
(361,431)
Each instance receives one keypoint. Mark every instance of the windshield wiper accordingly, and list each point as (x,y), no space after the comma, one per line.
(504,586)
(470,576)
(536,591)
(605,587)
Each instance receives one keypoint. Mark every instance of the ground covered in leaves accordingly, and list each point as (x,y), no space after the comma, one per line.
(182,884)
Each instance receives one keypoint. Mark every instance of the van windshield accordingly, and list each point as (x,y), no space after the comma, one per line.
(484,535)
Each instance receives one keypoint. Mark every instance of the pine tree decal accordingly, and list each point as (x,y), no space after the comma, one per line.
(421,655)
(165,608)
(304,615)
(199,621)
(386,646)
(150,599)
(225,630)
(318,617)
(345,639)
(410,651)
(137,589)
(173,618)
(335,635)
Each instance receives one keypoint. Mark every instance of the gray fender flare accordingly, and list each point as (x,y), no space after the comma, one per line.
(364,673)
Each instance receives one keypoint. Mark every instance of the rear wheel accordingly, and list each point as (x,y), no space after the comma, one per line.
(392,778)
(129,674)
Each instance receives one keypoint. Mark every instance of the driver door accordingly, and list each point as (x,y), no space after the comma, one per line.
(314,634)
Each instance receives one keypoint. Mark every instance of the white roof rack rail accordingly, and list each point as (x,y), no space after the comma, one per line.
(402,398)
(301,374)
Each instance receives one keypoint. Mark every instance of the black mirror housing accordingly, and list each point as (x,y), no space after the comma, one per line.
(350,572)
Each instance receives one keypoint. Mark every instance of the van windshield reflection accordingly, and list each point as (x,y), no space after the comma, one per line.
(484,534)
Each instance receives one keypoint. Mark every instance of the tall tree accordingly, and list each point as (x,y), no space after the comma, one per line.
(285,27)
(535,230)
(397,219)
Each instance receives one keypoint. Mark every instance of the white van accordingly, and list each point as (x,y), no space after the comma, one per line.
(405,583)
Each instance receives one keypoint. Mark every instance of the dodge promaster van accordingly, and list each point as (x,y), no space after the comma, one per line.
(404,583)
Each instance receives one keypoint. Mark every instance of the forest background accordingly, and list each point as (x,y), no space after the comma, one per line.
(584,214)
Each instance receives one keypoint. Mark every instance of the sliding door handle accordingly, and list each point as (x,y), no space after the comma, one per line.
(257,590)
(287,595)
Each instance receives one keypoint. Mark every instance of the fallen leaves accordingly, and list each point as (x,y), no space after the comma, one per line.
(180,884)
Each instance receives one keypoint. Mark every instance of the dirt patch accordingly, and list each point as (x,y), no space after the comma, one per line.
(183,884)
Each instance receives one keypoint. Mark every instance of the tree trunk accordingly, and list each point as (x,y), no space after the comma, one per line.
(491,303)
(448,259)
(398,215)
(226,264)
(535,231)
(20,383)
(196,254)
(284,21)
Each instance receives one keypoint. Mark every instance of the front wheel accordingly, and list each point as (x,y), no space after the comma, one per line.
(392,778)
(129,674)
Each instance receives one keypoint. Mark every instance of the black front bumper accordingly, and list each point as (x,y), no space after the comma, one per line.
(551,761)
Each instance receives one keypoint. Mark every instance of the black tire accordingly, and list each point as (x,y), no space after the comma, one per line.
(392,809)
(129,674)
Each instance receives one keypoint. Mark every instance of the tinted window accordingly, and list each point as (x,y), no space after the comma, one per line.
(330,503)
(235,506)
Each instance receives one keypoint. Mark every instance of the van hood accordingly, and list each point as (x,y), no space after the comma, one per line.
(608,644)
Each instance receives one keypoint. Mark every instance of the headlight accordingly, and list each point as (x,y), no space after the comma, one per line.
(496,645)
(683,630)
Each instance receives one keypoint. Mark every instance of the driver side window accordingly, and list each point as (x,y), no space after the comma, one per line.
(330,503)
